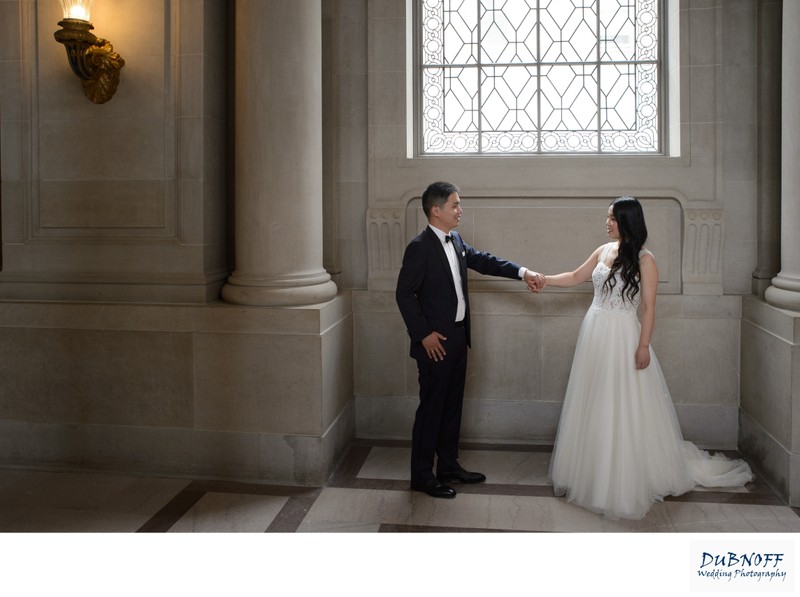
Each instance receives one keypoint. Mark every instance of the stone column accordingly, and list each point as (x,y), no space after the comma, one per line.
(785,290)
(770,15)
(278,156)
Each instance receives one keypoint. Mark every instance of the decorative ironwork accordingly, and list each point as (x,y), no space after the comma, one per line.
(539,76)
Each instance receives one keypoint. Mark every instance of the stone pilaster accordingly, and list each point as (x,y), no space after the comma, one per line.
(785,290)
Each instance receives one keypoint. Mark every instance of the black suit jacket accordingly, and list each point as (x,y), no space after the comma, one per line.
(426,293)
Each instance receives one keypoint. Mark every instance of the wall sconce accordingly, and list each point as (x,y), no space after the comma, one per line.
(92,58)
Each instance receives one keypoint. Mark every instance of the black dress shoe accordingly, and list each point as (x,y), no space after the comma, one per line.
(459,475)
(435,488)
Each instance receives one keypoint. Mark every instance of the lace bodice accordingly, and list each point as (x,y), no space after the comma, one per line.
(612,300)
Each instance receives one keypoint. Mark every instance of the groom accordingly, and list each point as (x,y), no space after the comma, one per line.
(433,300)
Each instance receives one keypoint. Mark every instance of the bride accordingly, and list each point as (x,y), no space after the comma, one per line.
(619,446)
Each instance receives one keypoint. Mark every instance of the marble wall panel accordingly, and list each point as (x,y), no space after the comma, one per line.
(381,347)
(192,84)
(352,94)
(383,87)
(122,148)
(151,450)
(523,345)
(382,417)
(387,36)
(529,422)
(774,460)
(741,17)
(10,33)
(700,359)
(101,204)
(549,235)
(211,392)
(93,376)
(703,46)
(709,427)
(13,193)
(338,437)
(337,370)
(192,214)
(115,172)
(559,336)
(766,388)
(351,165)
(258,383)
(85,262)
(233,455)
(510,421)
(11,96)
(506,359)
(14,140)
(295,458)
(740,255)
(176,452)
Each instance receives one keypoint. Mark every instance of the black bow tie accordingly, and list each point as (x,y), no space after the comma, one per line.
(448,238)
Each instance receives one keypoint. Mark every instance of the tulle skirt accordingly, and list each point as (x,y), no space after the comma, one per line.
(619,446)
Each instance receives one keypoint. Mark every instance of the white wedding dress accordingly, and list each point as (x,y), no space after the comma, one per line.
(619,447)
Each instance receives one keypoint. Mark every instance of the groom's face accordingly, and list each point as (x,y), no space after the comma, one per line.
(450,212)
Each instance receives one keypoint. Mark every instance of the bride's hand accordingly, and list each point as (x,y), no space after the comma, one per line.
(535,281)
(642,357)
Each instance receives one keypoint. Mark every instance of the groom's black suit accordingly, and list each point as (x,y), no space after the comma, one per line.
(426,296)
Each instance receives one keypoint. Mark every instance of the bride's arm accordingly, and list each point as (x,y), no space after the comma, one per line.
(573,278)
(648,281)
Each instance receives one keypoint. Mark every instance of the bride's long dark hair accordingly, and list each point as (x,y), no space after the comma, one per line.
(632,236)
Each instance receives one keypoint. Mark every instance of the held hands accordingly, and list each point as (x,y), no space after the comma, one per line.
(535,281)
(433,347)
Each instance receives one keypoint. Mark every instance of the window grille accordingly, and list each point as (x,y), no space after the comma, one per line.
(538,76)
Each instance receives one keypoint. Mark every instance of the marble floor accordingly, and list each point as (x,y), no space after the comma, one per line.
(369,494)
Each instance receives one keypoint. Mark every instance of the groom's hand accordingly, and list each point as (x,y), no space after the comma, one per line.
(433,347)
(535,281)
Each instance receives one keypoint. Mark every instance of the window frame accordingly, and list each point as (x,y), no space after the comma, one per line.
(665,145)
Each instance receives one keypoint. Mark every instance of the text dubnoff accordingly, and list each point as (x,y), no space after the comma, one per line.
(765,569)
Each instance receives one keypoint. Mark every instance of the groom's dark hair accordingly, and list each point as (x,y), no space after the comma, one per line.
(437,194)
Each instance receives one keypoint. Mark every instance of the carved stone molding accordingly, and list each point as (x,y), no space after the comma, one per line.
(703,233)
(385,243)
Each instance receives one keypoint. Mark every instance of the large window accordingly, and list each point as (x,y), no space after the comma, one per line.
(538,76)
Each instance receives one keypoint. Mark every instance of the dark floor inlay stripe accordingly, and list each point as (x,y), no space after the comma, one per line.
(411,528)
(726,497)
(351,464)
(172,512)
(253,488)
(380,484)
(506,447)
(401,443)
(292,514)
(481,489)
(505,489)
(709,497)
